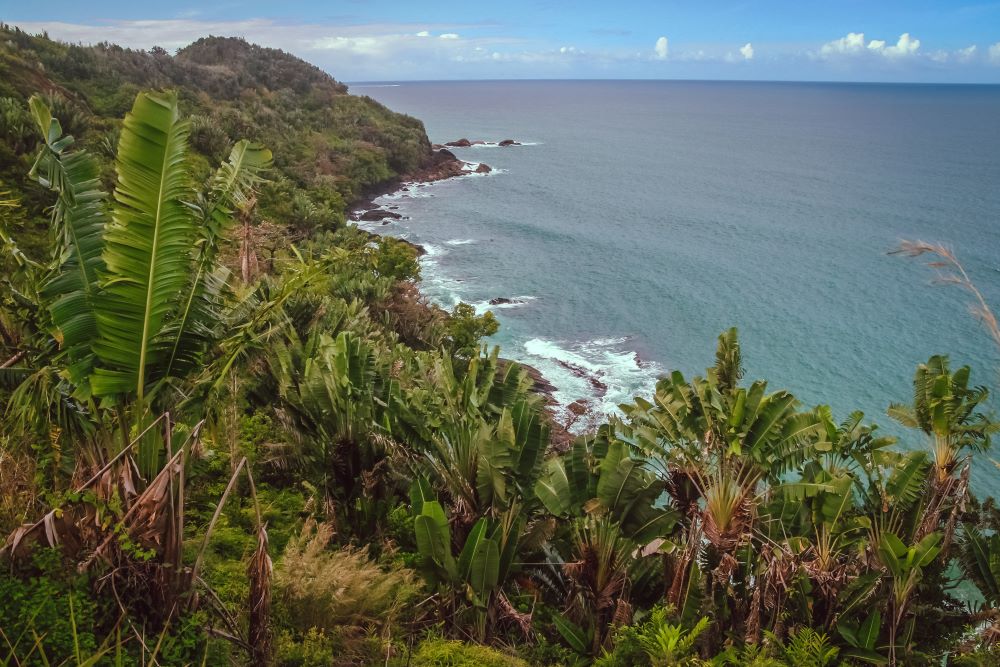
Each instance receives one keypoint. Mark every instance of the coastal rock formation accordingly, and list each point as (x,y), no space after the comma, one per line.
(443,164)
(502,300)
(465,143)
(377,214)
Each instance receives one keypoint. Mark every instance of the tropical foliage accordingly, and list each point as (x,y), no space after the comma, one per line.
(303,464)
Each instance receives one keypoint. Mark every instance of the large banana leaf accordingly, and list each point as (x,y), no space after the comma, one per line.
(484,570)
(553,489)
(78,217)
(148,247)
(980,559)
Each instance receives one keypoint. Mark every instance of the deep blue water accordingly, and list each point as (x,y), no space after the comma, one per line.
(647,217)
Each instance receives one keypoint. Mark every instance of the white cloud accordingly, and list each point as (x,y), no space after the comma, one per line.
(906,46)
(966,54)
(662,48)
(410,50)
(853,44)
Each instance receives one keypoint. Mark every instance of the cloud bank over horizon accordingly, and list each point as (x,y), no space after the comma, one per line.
(395,51)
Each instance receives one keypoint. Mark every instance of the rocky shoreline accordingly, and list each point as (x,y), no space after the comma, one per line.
(445,165)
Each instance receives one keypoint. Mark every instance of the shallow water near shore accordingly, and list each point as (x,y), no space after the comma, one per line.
(647,217)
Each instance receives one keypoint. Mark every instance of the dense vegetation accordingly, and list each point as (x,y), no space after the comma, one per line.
(207,458)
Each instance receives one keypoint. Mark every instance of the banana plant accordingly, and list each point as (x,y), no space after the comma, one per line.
(134,282)
(479,438)
(979,556)
(328,389)
(470,582)
(949,413)
(600,476)
(863,638)
(945,408)
(724,438)
(722,449)
(904,565)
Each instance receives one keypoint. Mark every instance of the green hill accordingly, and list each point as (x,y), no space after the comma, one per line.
(330,147)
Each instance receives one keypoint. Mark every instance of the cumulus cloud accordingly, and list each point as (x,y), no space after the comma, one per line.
(448,35)
(853,44)
(747,51)
(424,33)
(662,48)
(994,53)
(905,46)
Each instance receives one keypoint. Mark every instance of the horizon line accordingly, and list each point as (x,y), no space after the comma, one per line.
(397,82)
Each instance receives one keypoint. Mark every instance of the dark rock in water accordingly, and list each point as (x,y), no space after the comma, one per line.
(509,142)
(502,300)
(443,155)
(483,168)
(377,214)
(421,251)
(459,143)
(436,147)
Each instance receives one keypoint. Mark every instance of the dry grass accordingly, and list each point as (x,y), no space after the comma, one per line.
(326,588)
(19,498)
(951,272)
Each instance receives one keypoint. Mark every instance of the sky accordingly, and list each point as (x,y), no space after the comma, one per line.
(400,40)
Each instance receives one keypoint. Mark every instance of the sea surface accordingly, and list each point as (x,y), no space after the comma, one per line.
(641,219)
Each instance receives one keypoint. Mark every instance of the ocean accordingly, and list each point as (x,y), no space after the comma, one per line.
(643,218)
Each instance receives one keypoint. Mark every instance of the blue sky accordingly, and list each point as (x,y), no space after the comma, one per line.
(365,40)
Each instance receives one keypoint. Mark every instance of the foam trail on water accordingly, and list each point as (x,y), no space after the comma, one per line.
(602,371)
(515,302)
(494,144)
(460,241)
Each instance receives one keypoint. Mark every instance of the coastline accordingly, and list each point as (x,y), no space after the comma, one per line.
(445,165)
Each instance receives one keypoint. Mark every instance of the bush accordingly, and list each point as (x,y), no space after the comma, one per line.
(449,653)
(39,601)
(313,649)
(465,328)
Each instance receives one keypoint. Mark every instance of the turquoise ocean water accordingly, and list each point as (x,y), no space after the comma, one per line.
(641,219)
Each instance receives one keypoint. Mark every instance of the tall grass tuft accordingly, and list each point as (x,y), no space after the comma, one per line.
(325,588)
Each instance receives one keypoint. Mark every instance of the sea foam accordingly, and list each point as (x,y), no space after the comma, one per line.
(603,371)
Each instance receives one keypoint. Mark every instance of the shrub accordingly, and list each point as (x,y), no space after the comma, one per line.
(313,649)
(450,653)
(325,589)
(37,602)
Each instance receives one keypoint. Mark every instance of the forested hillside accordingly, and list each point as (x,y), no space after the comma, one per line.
(330,147)
(233,433)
